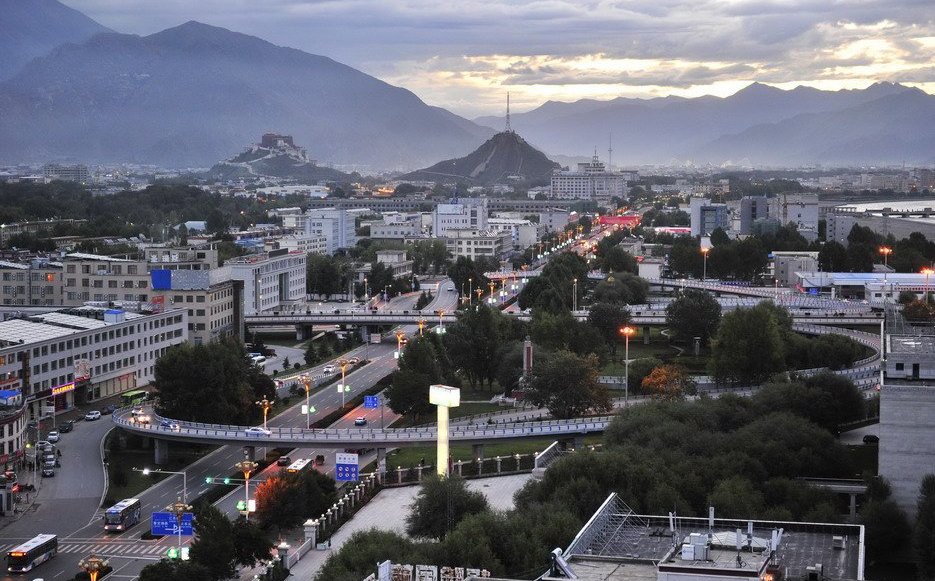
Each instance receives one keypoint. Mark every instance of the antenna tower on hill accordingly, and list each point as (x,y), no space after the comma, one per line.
(610,151)
(508,128)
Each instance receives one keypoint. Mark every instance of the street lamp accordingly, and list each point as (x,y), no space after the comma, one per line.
(148,471)
(246,466)
(470,287)
(179,508)
(885,251)
(421,325)
(266,405)
(626,332)
(704,272)
(366,291)
(574,296)
(93,566)
(441,320)
(307,382)
(400,335)
(343,363)
(927,271)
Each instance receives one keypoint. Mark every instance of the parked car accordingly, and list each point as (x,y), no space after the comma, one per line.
(257,431)
(109,409)
(171,426)
(283,461)
(53,436)
(43,444)
(360,421)
(92,415)
(319,459)
(66,426)
(871,439)
(48,471)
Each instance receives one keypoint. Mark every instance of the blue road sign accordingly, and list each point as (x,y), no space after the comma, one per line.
(165,523)
(346,467)
(371,402)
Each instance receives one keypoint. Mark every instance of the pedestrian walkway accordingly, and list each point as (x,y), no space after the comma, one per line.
(383,513)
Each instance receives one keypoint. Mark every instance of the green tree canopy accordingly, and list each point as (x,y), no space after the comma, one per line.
(440,505)
(567,385)
(608,319)
(749,345)
(693,313)
(424,362)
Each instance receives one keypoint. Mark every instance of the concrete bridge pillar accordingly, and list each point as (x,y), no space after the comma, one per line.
(381,464)
(477,451)
(646,334)
(853,508)
(161,452)
(300,332)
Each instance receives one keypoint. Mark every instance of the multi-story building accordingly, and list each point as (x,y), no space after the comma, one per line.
(298,243)
(555,219)
(786,263)
(83,354)
(474,244)
(12,437)
(752,208)
(591,181)
(68,173)
(465,214)
(41,228)
(707,216)
(336,225)
(269,279)
(37,282)
(798,209)
(524,233)
(397,227)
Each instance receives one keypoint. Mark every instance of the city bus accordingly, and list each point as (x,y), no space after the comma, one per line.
(123,515)
(298,466)
(134,397)
(32,553)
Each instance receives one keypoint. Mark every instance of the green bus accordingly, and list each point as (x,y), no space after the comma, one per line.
(134,397)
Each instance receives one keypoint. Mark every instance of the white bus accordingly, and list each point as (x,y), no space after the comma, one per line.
(32,553)
(123,515)
(298,466)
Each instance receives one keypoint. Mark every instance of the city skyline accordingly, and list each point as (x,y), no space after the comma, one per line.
(466,58)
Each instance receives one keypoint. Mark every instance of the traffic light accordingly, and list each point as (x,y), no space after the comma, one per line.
(172,553)
(241,505)
(209,480)
(227,480)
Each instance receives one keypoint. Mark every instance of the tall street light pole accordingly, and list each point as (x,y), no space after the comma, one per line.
(704,272)
(148,471)
(265,405)
(246,467)
(179,508)
(343,388)
(93,565)
(927,272)
(626,331)
(574,296)
(470,288)
(307,382)
(441,320)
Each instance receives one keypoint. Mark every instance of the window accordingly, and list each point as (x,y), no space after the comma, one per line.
(900,367)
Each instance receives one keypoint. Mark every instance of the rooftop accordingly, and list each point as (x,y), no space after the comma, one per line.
(53,324)
(911,344)
(620,545)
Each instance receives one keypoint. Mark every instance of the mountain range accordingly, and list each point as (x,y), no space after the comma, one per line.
(195,94)
(32,28)
(504,158)
(758,125)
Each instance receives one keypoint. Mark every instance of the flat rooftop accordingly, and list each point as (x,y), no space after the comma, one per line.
(620,545)
(53,325)
(911,344)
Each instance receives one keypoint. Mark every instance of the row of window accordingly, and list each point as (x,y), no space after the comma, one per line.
(110,267)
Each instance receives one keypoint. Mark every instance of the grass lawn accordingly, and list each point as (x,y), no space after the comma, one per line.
(409,457)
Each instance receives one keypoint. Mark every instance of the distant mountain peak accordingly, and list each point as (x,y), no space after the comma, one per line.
(504,158)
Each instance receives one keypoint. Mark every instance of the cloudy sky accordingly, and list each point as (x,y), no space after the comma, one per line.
(465,55)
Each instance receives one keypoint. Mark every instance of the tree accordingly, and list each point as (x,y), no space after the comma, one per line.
(668,382)
(311,354)
(280,502)
(621,289)
(886,529)
(285,363)
(719,237)
(832,257)
(440,505)
(923,538)
(827,399)
(250,543)
(175,570)
(474,342)
(685,258)
(567,385)
(693,313)
(323,275)
(355,559)
(608,319)
(640,368)
(424,362)
(617,259)
(423,300)
(205,383)
(213,546)
(749,346)
(918,311)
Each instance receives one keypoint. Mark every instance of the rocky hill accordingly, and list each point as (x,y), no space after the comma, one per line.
(504,158)
(276,158)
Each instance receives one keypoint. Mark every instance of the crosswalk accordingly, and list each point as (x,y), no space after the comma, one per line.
(134,549)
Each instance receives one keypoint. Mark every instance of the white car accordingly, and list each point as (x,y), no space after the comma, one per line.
(92,415)
(257,431)
(53,436)
(328,369)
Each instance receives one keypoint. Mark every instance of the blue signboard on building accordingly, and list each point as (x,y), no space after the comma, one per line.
(165,523)
(346,468)
(371,402)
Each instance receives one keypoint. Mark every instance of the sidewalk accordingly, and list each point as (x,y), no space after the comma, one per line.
(388,511)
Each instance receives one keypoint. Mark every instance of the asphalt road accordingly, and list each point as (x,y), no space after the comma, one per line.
(69,502)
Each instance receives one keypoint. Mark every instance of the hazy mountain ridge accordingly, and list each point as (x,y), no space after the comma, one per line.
(501,159)
(194,94)
(701,129)
(32,28)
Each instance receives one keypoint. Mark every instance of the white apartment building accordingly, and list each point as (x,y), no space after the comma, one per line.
(591,181)
(397,226)
(83,354)
(336,225)
(269,280)
(798,209)
(466,214)
(473,243)
(522,232)
(299,243)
